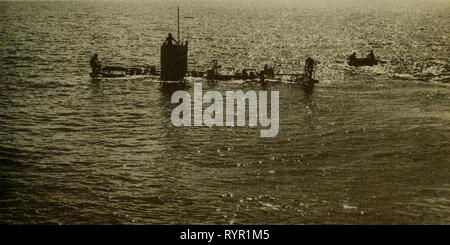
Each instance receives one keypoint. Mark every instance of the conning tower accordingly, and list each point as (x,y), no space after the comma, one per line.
(174,56)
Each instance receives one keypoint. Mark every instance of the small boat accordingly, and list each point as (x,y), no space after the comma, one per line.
(370,60)
(362,62)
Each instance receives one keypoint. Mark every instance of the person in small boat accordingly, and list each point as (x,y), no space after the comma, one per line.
(170,40)
(371,56)
(352,57)
(95,64)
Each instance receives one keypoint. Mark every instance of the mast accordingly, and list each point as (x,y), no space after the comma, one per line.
(178,23)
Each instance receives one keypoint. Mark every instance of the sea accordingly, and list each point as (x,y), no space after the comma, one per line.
(370,145)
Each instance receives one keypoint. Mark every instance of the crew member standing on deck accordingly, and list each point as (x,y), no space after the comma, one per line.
(95,65)
(309,68)
(170,40)
(371,56)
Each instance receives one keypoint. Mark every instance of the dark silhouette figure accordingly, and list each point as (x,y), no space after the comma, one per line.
(170,40)
(309,68)
(265,72)
(95,65)
(244,74)
(308,80)
(352,57)
(371,56)
(269,71)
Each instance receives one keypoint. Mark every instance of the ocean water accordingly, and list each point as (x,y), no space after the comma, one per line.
(369,146)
